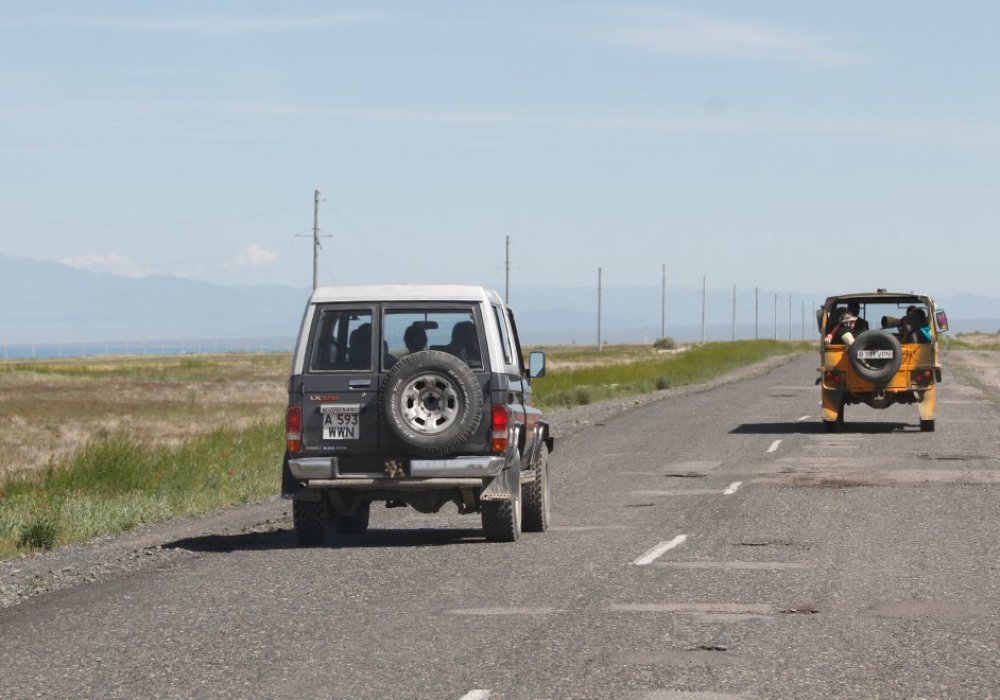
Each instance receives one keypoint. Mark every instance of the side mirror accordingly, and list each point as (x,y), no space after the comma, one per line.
(536,365)
(942,320)
(819,320)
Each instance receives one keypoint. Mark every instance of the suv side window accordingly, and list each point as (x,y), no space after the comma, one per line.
(342,340)
(508,354)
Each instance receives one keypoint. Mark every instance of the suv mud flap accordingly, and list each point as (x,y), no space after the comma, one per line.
(507,485)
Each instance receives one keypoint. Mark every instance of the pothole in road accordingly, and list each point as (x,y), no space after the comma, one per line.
(801,610)
(773,543)
(954,458)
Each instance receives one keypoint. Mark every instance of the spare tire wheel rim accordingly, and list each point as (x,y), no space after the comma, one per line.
(430,403)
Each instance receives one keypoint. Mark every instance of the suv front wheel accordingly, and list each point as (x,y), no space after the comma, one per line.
(535,496)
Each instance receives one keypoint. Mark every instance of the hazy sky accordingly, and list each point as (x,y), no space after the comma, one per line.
(804,146)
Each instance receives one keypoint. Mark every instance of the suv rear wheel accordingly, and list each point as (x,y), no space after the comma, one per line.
(311,521)
(502,519)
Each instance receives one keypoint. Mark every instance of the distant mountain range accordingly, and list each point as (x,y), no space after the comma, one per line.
(49,302)
(46,302)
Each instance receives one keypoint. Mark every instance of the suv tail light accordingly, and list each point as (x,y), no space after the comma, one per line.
(293,429)
(833,377)
(501,428)
(923,377)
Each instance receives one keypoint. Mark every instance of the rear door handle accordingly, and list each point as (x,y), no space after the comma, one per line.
(360,383)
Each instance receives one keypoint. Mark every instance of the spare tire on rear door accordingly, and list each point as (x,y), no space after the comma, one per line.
(432,401)
(875,356)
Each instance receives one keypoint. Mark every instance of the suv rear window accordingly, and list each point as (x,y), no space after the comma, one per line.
(342,340)
(455,331)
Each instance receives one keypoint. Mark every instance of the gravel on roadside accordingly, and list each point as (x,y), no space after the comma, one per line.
(159,544)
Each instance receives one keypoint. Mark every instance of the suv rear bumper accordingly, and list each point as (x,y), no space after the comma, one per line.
(421,470)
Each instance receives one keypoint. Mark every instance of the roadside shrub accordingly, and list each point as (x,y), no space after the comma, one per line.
(41,532)
(662,383)
(665,343)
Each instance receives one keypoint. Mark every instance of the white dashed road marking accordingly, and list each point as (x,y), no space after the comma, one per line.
(477,694)
(802,418)
(504,611)
(696,608)
(732,488)
(774,446)
(658,550)
(677,492)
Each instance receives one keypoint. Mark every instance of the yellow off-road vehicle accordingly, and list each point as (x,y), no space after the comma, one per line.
(879,349)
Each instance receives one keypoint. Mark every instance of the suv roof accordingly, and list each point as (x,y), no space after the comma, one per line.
(882,296)
(405,292)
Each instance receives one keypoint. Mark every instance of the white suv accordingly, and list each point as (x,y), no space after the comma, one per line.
(413,395)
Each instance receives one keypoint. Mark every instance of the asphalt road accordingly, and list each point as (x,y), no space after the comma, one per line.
(716,545)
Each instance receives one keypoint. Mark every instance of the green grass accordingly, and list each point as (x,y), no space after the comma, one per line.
(117,483)
(562,388)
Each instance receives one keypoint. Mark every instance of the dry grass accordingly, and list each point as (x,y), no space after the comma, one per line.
(569,357)
(51,409)
(976,341)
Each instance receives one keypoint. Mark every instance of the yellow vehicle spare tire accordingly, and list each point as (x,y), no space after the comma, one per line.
(875,356)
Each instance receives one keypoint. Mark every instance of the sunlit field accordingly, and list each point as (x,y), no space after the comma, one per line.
(101,445)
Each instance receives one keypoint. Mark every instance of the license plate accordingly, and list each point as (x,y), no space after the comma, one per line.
(341,421)
(874,354)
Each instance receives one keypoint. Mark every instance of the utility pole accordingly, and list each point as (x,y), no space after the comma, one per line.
(600,342)
(776,316)
(803,319)
(315,239)
(663,304)
(506,289)
(789,316)
(756,313)
(703,291)
(734,313)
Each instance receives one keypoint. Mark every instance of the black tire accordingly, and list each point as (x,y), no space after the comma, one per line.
(432,402)
(836,426)
(354,524)
(502,519)
(927,426)
(311,521)
(877,371)
(535,497)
